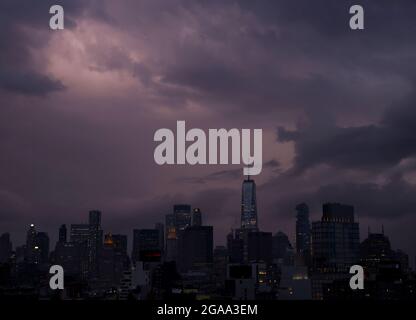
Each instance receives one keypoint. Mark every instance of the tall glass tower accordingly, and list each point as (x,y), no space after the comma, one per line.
(249,205)
(303,232)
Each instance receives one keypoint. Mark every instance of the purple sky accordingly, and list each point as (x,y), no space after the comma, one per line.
(79,107)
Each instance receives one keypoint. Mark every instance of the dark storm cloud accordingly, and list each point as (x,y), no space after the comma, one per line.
(115,58)
(390,201)
(255,88)
(370,147)
(24,26)
(253,70)
(31,83)
(226,175)
(271,56)
(383,17)
(219,175)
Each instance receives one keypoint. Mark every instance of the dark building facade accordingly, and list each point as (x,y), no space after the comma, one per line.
(79,233)
(79,238)
(120,242)
(112,262)
(161,228)
(5,247)
(220,260)
(376,252)
(335,245)
(176,223)
(42,243)
(68,255)
(196,248)
(145,241)
(31,254)
(171,242)
(95,241)
(235,248)
(386,274)
(282,251)
(336,239)
(259,247)
(62,237)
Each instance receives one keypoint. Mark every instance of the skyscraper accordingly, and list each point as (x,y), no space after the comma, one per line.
(235,247)
(196,217)
(259,247)
(31,248)
(113,259)
(335,245)
(42,242)
(120,248)
(171,246)
(95,218)
(159,226)
(111,262)
(107,259)
(68,255)
(375,249)
(120,242)
(182,216)
(249,205)
(386,273)
(220,260)
(95,241)
(5,247)
(196,248)
(176,223)
(376,252)
(145,241)
(303,233)
(80,234)
(336,239)
(282,250)
(62,234)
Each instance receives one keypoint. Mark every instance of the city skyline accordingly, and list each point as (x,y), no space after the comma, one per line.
(219,241)
(79,108)
(180,260)
(299,212)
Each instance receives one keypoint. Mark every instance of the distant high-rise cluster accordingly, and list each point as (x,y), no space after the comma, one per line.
(178,258)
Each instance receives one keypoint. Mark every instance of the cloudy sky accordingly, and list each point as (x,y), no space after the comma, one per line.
(79,107)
